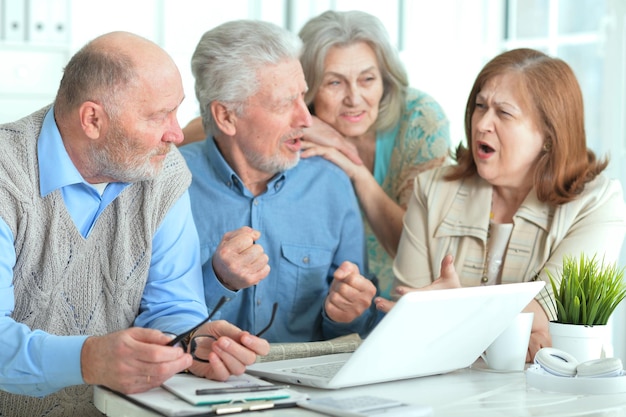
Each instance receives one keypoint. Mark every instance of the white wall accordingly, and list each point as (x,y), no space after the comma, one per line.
(448,41)
(447,44)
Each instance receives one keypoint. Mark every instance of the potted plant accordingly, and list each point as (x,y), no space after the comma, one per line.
(584,298)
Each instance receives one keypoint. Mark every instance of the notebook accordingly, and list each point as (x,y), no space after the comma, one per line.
(186,385)
(177,398)
(426,333)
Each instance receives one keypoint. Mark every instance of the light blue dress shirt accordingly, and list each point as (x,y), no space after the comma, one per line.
(38,363)
(310,223)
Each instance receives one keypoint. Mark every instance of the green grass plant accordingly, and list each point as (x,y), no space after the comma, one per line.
(588,291)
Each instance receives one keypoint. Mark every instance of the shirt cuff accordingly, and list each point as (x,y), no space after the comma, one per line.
(61,360)
(214,290)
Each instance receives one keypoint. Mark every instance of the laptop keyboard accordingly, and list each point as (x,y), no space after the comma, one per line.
(325,370)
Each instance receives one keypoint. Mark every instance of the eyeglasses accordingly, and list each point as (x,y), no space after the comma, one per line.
(202,342)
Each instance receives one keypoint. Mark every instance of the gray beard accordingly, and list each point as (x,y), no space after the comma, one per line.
(117,159)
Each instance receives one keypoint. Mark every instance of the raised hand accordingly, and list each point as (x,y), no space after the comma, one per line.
(350,294)
(448,278)
(239,262)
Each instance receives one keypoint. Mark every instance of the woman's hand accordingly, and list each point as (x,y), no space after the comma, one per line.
(382,212)
(540,332)
(193,132)
(322,134)
(447,279)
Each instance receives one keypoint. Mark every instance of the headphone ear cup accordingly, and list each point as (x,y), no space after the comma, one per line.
(556,362)
(595,368)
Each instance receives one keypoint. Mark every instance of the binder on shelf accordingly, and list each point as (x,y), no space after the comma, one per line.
(47,21)
(58,22)
(38,21)
(13,20)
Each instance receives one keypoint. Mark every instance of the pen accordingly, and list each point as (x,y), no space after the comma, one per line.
(234,390)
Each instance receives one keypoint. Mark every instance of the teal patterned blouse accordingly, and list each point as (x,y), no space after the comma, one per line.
(420,141)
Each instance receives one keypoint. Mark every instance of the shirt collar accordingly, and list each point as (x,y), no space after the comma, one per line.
(229,177)
(56,169)
(471,206)
(535,211)
(479,190)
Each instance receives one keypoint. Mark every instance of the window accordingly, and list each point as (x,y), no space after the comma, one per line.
(578,32)
(590,35)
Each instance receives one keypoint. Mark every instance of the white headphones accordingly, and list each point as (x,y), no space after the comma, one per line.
(560,363)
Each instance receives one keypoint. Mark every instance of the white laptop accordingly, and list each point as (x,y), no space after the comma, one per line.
(426,333)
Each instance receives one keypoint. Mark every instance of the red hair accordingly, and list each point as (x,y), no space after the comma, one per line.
(566,164)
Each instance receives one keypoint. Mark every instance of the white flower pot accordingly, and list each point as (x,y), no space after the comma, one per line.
(583,342)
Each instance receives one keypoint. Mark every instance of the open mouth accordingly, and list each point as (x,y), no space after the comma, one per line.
(484,148)
(294,144)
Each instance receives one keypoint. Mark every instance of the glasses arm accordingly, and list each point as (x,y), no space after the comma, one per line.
(183,335)
(266,328)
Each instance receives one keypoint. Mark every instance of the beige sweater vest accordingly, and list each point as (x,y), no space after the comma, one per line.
(66,284)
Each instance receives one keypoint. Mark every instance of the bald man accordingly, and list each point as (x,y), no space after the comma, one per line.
(99,255)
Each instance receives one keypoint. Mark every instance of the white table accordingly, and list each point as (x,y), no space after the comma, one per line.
(464,393)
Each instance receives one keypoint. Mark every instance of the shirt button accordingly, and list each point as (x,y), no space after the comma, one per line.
(305,260)
(258,302)
(484,280)
(256,202)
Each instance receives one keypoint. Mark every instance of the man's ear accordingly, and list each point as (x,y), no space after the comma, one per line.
(93,119)
(224,118)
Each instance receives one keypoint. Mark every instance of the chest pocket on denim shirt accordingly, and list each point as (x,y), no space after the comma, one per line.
(303,276)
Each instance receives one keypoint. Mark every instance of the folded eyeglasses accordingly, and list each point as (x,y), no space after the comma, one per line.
(193,343)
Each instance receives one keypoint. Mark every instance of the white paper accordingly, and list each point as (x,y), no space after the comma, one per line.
(185,386)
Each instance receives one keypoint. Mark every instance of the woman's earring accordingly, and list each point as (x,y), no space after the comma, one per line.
(547,145)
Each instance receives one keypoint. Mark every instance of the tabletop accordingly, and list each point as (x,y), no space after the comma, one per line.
(469,392)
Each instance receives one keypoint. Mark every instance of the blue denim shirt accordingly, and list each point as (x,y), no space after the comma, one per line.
(310,223)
